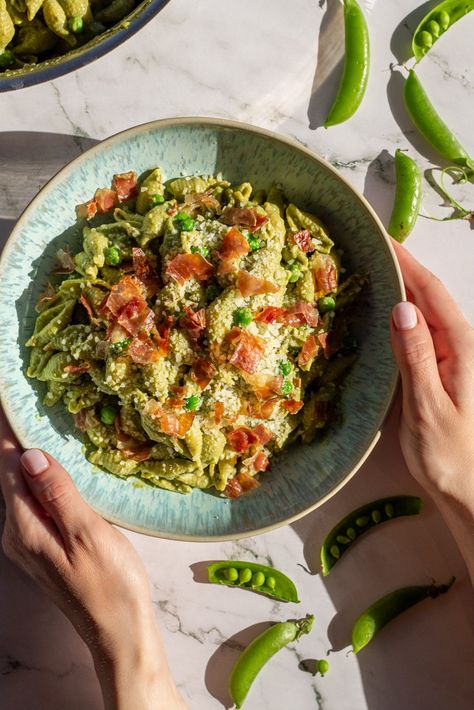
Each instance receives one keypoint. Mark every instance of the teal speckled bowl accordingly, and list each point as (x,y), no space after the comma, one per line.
(306,475)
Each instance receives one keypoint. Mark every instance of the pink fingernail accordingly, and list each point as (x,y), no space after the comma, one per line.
(34,461)
(404,316)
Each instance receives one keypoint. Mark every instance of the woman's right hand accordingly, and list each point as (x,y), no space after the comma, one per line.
(434,348)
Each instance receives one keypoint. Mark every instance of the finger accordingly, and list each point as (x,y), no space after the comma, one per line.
(414,352)
(429,293)
(54,489)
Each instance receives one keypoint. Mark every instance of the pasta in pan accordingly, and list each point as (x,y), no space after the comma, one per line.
(203,327)
(35,30)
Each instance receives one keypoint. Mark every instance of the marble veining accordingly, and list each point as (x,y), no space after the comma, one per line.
(185,62)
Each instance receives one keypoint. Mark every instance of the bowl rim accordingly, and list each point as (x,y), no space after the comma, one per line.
(77,58)
(292,143)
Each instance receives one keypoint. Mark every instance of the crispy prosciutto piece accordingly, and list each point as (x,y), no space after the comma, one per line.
(85,419)
(145,271)
(308,351)
(325,277)
(244,217)
(242,438)
(105,200)
(264,386)
(292,405)
(250,285)
(194,323)
(124,185)
(240,484)
(86,210)
(233,245)
(189,266)
(301,313)
(77,369)
(202,372)
(127,289)
(170,423)
(143,351)
(248,353)
(64,262)
(47,297)
(195,200)
(304,240)
(136,318)
(90,312)
(270,314)
(261,409)
(218,412)
(260,462)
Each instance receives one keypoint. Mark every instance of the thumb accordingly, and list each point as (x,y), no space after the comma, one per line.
(415,354)
(54,489)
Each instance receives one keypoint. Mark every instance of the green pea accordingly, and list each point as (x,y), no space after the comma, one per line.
(343,539)
(203,251)
(6,58)
(112,256)
(271,582)
(351,533)
(389,510)
(108,414)
(186,225)
(322,666)
(326,303)
(433,27)
(425,39)
(362,521)
(245,575)
(258,579)
(376,516)
(75,24)
(157,199)
(285,367)
(334,550)
(254,242)
(295,273)
(286,388)
(192,402)
(443,19)
(242,317)
(181,217)
(231,574)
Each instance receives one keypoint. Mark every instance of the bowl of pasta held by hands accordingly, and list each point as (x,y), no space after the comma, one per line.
(44,39)
(196,326)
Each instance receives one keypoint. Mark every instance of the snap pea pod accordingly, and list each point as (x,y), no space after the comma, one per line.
(387,608)
(355,524)
(260,650)
(250,575)
(430,124)
(436,22)
(407,197)
(356,66)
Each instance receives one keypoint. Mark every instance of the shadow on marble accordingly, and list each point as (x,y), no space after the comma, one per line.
(28,160)
(329,64)
(400,42)
(379,184)
(220,664)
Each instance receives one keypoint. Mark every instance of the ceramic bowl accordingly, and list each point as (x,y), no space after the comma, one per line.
(77,58)
(305,475)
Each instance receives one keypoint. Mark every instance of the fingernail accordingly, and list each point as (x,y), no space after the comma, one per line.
(34,461)
(404,316)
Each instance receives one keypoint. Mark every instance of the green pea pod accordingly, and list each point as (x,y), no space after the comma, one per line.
(276,584)
(356,66)
(436,22)
(373,619)
(407,197)
(352,526)
(260,650)
(430,124)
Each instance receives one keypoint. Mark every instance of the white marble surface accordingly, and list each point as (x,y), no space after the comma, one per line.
(256,62)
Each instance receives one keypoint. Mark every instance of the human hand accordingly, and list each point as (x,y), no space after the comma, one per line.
(434,348)
(90,570)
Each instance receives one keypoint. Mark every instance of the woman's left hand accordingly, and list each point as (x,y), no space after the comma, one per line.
(90,570)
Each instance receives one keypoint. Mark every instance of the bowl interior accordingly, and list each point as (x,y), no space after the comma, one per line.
(305,474)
